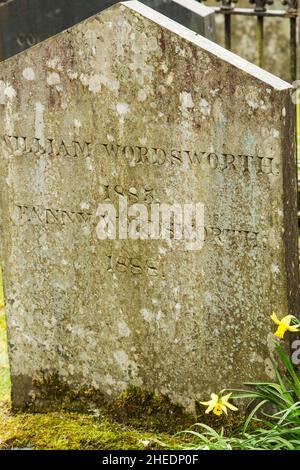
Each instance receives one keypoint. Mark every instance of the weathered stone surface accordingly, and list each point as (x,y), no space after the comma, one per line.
(130,103)
(24,23)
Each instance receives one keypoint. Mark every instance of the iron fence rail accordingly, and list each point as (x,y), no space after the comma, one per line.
(260,11)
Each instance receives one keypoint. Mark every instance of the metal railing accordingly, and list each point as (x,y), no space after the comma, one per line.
(260,10)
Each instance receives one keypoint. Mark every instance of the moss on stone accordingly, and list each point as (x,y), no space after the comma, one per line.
(50,392)
(135,407)
(63,430)
(82,419)
(66,430)
(149,411)
(156,412)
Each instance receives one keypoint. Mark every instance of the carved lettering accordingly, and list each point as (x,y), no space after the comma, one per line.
(144,195)
(48,216)
(223,162)
(133,265)
(141,155)
(219,236)
(23,145)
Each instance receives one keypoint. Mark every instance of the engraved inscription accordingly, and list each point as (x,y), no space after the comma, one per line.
(216,235)
(133,265)
(47,216)
(231,237)
(143,195)
(20,145)
(138,155)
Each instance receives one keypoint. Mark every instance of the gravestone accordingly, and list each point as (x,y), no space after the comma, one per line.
(130,108)
(24,23)
(189,13)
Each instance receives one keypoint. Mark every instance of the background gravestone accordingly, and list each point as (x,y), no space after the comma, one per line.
(189,13)
(131,104)
(24,23)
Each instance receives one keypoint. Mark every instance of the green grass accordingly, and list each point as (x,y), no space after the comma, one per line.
(59,430)
(62,430)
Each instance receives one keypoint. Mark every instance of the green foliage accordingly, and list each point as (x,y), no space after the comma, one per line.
(273,422)
(4,368)
(202,437)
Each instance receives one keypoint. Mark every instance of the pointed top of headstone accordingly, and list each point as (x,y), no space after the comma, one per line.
(194,38)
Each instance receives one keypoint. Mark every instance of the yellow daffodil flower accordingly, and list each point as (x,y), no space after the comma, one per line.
(218,404)
(284,325)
